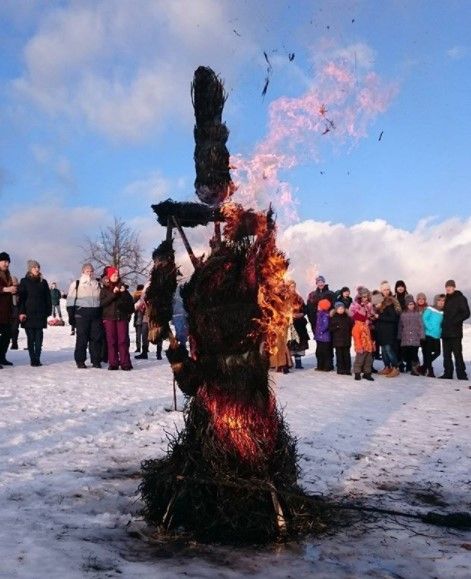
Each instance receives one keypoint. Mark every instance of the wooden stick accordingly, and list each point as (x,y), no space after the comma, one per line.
(193,258)
(174,395)
(280,518)
(169,230)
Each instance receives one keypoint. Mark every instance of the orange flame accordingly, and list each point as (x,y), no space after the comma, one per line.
(243,428)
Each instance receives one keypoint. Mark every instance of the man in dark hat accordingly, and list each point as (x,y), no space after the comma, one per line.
(455,312)
(7,290)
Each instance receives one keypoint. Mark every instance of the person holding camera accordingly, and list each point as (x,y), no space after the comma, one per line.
(118,305)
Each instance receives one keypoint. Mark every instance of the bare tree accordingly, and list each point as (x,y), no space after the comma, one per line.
(118,245)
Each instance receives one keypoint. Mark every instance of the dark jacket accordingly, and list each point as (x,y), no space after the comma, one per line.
(116,305)
(313,300)
(455,312)
(338,297)
(55,297)
(387,324)
(6,301)
(340,326)
(34,301)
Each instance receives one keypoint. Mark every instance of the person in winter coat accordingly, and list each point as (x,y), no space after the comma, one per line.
(386,322)
(83,299)
(411,332)
(7,291)
(432,318)
(298,337)
(400,292)
(138,317)
(56,301)
(34,308)
(362,315)
(322,291)
(118,306)
(179,318)
(15,319)
(340,327)
(455,312)
(343,295)
(421,304)
(322,336)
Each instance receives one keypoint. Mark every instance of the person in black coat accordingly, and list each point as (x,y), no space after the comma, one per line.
(340,326)
(34,308)
(343,295)
(455,312)
(386,324)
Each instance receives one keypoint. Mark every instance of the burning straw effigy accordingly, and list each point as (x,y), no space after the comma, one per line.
(231,474)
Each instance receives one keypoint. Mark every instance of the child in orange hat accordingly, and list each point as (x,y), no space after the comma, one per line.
(323,337)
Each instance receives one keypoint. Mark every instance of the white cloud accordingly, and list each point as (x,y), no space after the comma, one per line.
(126,69)
(368,252)
(457,52)
(361,254)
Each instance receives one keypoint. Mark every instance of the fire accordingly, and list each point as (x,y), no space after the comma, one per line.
(244,428)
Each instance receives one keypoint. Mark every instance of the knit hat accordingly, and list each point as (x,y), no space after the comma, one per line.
(421,296)
(377,298)
(87,265)
(409,299)
(109,271)
(450,283)
(32,263)
(4,256)
(320,279)
(344,289)
(384,285)
(339,305)
(323,305)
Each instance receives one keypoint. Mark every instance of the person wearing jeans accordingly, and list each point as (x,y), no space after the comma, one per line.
(455,312)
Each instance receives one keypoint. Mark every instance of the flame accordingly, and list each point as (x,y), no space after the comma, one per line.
(243,428)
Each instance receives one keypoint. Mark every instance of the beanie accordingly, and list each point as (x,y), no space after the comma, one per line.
(4,256)
(450,283)
(32,263)
(421,296)
(324,305)
(399,283)
(339,305)
(320,279)
(409,299)
(109,271)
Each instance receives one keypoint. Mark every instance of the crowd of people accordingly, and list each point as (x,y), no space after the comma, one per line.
(392,326)
(383,325)
(99,312)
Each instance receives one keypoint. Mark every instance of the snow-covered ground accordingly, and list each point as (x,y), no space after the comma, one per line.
(72,442)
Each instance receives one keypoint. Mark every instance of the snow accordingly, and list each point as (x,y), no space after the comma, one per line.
(72,442)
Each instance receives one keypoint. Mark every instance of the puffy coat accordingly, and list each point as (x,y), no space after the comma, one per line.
(313,300)
(6,301)
(411,329)
(432,320)
(386,326)
(116,305)
(322,333)
(455,312)
(362,339)
(341,330)
(34,301)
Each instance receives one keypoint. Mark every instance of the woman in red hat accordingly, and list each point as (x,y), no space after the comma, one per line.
(118,305)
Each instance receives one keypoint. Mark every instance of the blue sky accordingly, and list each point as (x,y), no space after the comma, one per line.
(96,115)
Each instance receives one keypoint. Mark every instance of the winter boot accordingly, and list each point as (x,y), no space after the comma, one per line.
(393,373)
(430,373)
(14,345)
(357,376)
(414,371)
(368,377)
(297,364)
(143,355)
(385,371)
(159,351)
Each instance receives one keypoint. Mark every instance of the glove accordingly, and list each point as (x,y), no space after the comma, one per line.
(177,355)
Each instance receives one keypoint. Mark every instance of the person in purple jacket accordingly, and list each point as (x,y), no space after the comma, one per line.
(323,337)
